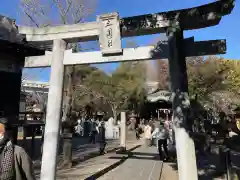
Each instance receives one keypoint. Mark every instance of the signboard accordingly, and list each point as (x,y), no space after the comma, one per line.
(109,34)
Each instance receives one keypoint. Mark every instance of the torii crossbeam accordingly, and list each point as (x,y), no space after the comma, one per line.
(201,48)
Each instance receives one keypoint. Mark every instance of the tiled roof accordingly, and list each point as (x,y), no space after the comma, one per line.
(13,42)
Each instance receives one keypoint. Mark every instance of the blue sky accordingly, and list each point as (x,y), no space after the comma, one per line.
(227,29)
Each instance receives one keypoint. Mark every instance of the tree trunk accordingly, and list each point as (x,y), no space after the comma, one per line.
(67,129)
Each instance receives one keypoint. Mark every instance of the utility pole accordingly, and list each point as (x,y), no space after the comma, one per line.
(51,135)
(186,157)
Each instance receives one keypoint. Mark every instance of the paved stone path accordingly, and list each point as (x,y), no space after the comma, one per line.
(89,169)
(143,165)
(168,172)
(91,166)
(84,150)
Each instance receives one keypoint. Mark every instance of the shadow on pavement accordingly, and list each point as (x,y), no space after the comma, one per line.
(113,166)
(137,157)
(90,155)
(144,154)
(140,155)
(106,170)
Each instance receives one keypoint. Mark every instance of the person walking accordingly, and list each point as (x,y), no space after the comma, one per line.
(15,164)
(148,134)
(79,128)
(161,134)
(102,137)
(137,131)
(94,131)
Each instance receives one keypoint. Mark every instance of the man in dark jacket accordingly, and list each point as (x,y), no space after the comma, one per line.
(15,164)
(101,138)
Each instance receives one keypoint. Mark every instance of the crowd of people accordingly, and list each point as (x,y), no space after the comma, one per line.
(156,132)
(93,129)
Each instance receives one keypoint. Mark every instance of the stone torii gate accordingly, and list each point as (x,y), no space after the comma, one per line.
(109,29)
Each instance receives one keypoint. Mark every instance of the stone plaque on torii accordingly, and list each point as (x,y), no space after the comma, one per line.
(173,23)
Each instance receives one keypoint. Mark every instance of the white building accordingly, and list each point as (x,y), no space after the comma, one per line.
(34,86)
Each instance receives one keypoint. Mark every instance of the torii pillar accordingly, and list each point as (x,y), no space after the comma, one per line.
(52,128)
(186,157)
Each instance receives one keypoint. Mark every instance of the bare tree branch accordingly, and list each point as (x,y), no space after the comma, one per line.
(31,18)
(56,11)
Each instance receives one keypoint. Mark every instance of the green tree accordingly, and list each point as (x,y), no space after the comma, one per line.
(121,90)
(86,92)
(206,76)
(233,75)
(163,74)
(227,100)
(215,81)
(133,79)
(211,79)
